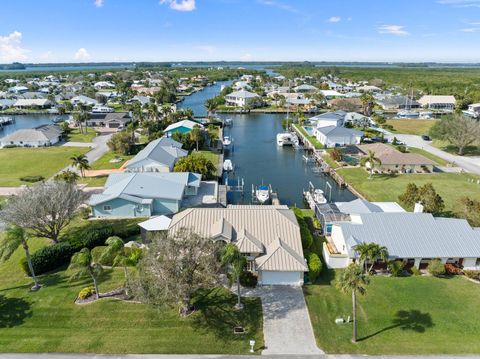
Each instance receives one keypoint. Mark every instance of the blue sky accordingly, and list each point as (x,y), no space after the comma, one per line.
(263,30)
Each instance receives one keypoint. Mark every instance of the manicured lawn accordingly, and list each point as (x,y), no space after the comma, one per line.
(21,162)
(212,156)
(94,181)
(473,150)
(451,186)
(313,140)
(438,160)
(411,127)
(87,136)
(104,162)
(414,315)
(49,321)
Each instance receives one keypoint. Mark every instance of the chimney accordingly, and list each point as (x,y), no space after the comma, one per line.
(418,208)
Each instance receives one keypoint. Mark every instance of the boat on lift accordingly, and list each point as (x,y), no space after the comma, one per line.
(228,165)
(262,193)
(227,122)
(287,139)
(318,196)
(227,143)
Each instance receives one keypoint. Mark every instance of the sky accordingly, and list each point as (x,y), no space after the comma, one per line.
(240,30)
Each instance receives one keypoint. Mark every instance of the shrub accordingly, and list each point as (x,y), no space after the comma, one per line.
(415,271)
(305,233)
(314,267)
(85,212)
(86,293)
(248,279)
(472,274)
(395,268)
(49,258)
(402,148)
(32,179)
(452,269)
(436,268)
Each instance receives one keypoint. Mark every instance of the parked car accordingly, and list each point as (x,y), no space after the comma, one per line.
(426,138)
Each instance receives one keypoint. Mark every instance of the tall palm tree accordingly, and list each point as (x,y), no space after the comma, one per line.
(377,252)
(363,250)
(196,135)
(211,105)
(81,163)
(371,160)
(82,265)
(367,101)
(14,237)
(353,279)
(232,257)
(121,257)
(152,111)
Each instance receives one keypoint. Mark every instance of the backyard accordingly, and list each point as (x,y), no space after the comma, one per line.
(414,315)
(45,162)
(75,136)
(104,162)
(451,186)
(411,127)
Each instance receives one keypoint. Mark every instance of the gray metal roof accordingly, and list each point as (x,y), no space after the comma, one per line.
(164,151)
(338,131)
(39,133)
(357,206)
(336,115)
(414,235)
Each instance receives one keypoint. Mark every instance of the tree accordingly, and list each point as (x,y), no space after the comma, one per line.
(81,163)
(82,265)
(67,176)
(371,252)
(469,209)
(45,209)
(367,102)
(121,142)
(196,135)
(196,163)
(370,160)
(236,262)
(353,280)
(461,131)
(426,195)
(211,105)
(80,118)
(14,237)
(175,267)
(120,255)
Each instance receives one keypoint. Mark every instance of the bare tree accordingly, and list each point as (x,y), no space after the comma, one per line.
(44,209)
(461,131)
(175,267)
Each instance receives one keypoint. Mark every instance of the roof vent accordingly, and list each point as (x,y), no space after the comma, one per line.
(418,208)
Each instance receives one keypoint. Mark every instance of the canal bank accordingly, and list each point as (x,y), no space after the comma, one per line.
(258,159)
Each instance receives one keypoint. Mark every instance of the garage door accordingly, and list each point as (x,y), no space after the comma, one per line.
(281,278)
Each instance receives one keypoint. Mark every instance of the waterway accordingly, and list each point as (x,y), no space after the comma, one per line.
(26,121)
(258,159)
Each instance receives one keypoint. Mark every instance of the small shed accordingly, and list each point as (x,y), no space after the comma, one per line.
(154,225)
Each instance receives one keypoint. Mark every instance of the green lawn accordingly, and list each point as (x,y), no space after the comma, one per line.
(473,150)
(451,186)
(21,162)
(434,158)
(411,127)
(49,321)
(98,181)
(87,136)
(414,315)
(313,140)
(104,162)
(212,156)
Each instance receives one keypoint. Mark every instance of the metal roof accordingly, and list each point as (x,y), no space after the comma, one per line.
(164,151)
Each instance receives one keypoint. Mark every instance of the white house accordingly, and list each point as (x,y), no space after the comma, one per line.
(435,102)
(329,94)
(473,110)
(305,88)
(84,100)
(414,238)
(240,98)
(41,136)
(32,103)
(333,136)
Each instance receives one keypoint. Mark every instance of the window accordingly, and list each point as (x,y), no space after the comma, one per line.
(139,208)
(107,208)
(251,266)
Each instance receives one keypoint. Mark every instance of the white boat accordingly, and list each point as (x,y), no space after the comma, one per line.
(102,109)
(426,114)
(287,139)
(319,197)
(227,122)
(408,114)
(227,165)
(262,193)
(227,142)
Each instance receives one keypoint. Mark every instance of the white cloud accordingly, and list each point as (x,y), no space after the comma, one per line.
(460,3)
(98,3)
(334,19)
(10,47)
(397,30)
(471,29)
(82,54)
(180,5)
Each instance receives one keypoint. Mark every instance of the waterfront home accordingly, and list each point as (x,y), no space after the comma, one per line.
(368,88)
(184,126)
(36,103)
(326,119)
(144,194)
(6,103)
(84,100)
(473,110)
(241,85)
(240,98)
(393,161)
(112,120)
(334,136)
(305,88)
(268,236)
(414,238)
(142,99)
(18,89)
(397,102)
(103,85)
(434,102)
(159,155)
(40,136)
(329,94)
(346,103)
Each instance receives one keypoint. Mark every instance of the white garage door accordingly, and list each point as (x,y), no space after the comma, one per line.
(279,278)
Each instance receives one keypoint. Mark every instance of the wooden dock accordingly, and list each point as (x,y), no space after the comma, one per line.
(222,195)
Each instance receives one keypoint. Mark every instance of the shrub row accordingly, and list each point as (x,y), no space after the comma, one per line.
(314,266)
(472,274)
(91,235)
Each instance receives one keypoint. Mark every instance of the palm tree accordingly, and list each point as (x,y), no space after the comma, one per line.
(121,257)
(367,101)
(196,134)
(237,262)
(80,162)
(82,264)
(353,280)
(211,105)
(377,252)
(363,251)
(14,237)
(152,111)
(370,159)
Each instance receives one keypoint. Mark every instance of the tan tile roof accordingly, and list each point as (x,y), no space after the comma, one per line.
(390,156)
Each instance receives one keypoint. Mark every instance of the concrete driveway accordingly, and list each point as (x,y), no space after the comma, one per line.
(286,323)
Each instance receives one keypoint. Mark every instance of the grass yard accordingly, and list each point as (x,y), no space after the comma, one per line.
(473,150)
(451,186)
(104,163)
(414,315)
(86,137)
(212,156)
(411,127)
(49,321)
(93,181)
(313,140)
(21,162)
(438,160)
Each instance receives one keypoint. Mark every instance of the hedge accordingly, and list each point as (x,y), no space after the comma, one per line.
(91,235)
(314,266)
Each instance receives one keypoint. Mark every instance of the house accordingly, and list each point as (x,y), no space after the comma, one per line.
(158,156)
(241,85)
(414,238)
(368,88)
(392,160)
(41,136)
(6,103)
(346,104)
(32,103)
(434,102)
(397,102)
(305,88)
(334,136)
(326,119)
(103,85)
(268,236)
(144,194)
(184,126)
(84,100)
(142,99)
(329,94)
(18,89)
(154,225)
(473,110)
(113,120)
(240,98)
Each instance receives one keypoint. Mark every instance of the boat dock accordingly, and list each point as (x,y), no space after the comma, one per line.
(4,121)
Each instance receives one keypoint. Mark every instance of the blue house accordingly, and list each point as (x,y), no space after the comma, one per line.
(184,126)
(144,194)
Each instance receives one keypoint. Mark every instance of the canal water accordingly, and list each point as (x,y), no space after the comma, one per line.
(26,121)
(258,159)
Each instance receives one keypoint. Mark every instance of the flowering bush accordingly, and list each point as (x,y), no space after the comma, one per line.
(452,269)
(86,293)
